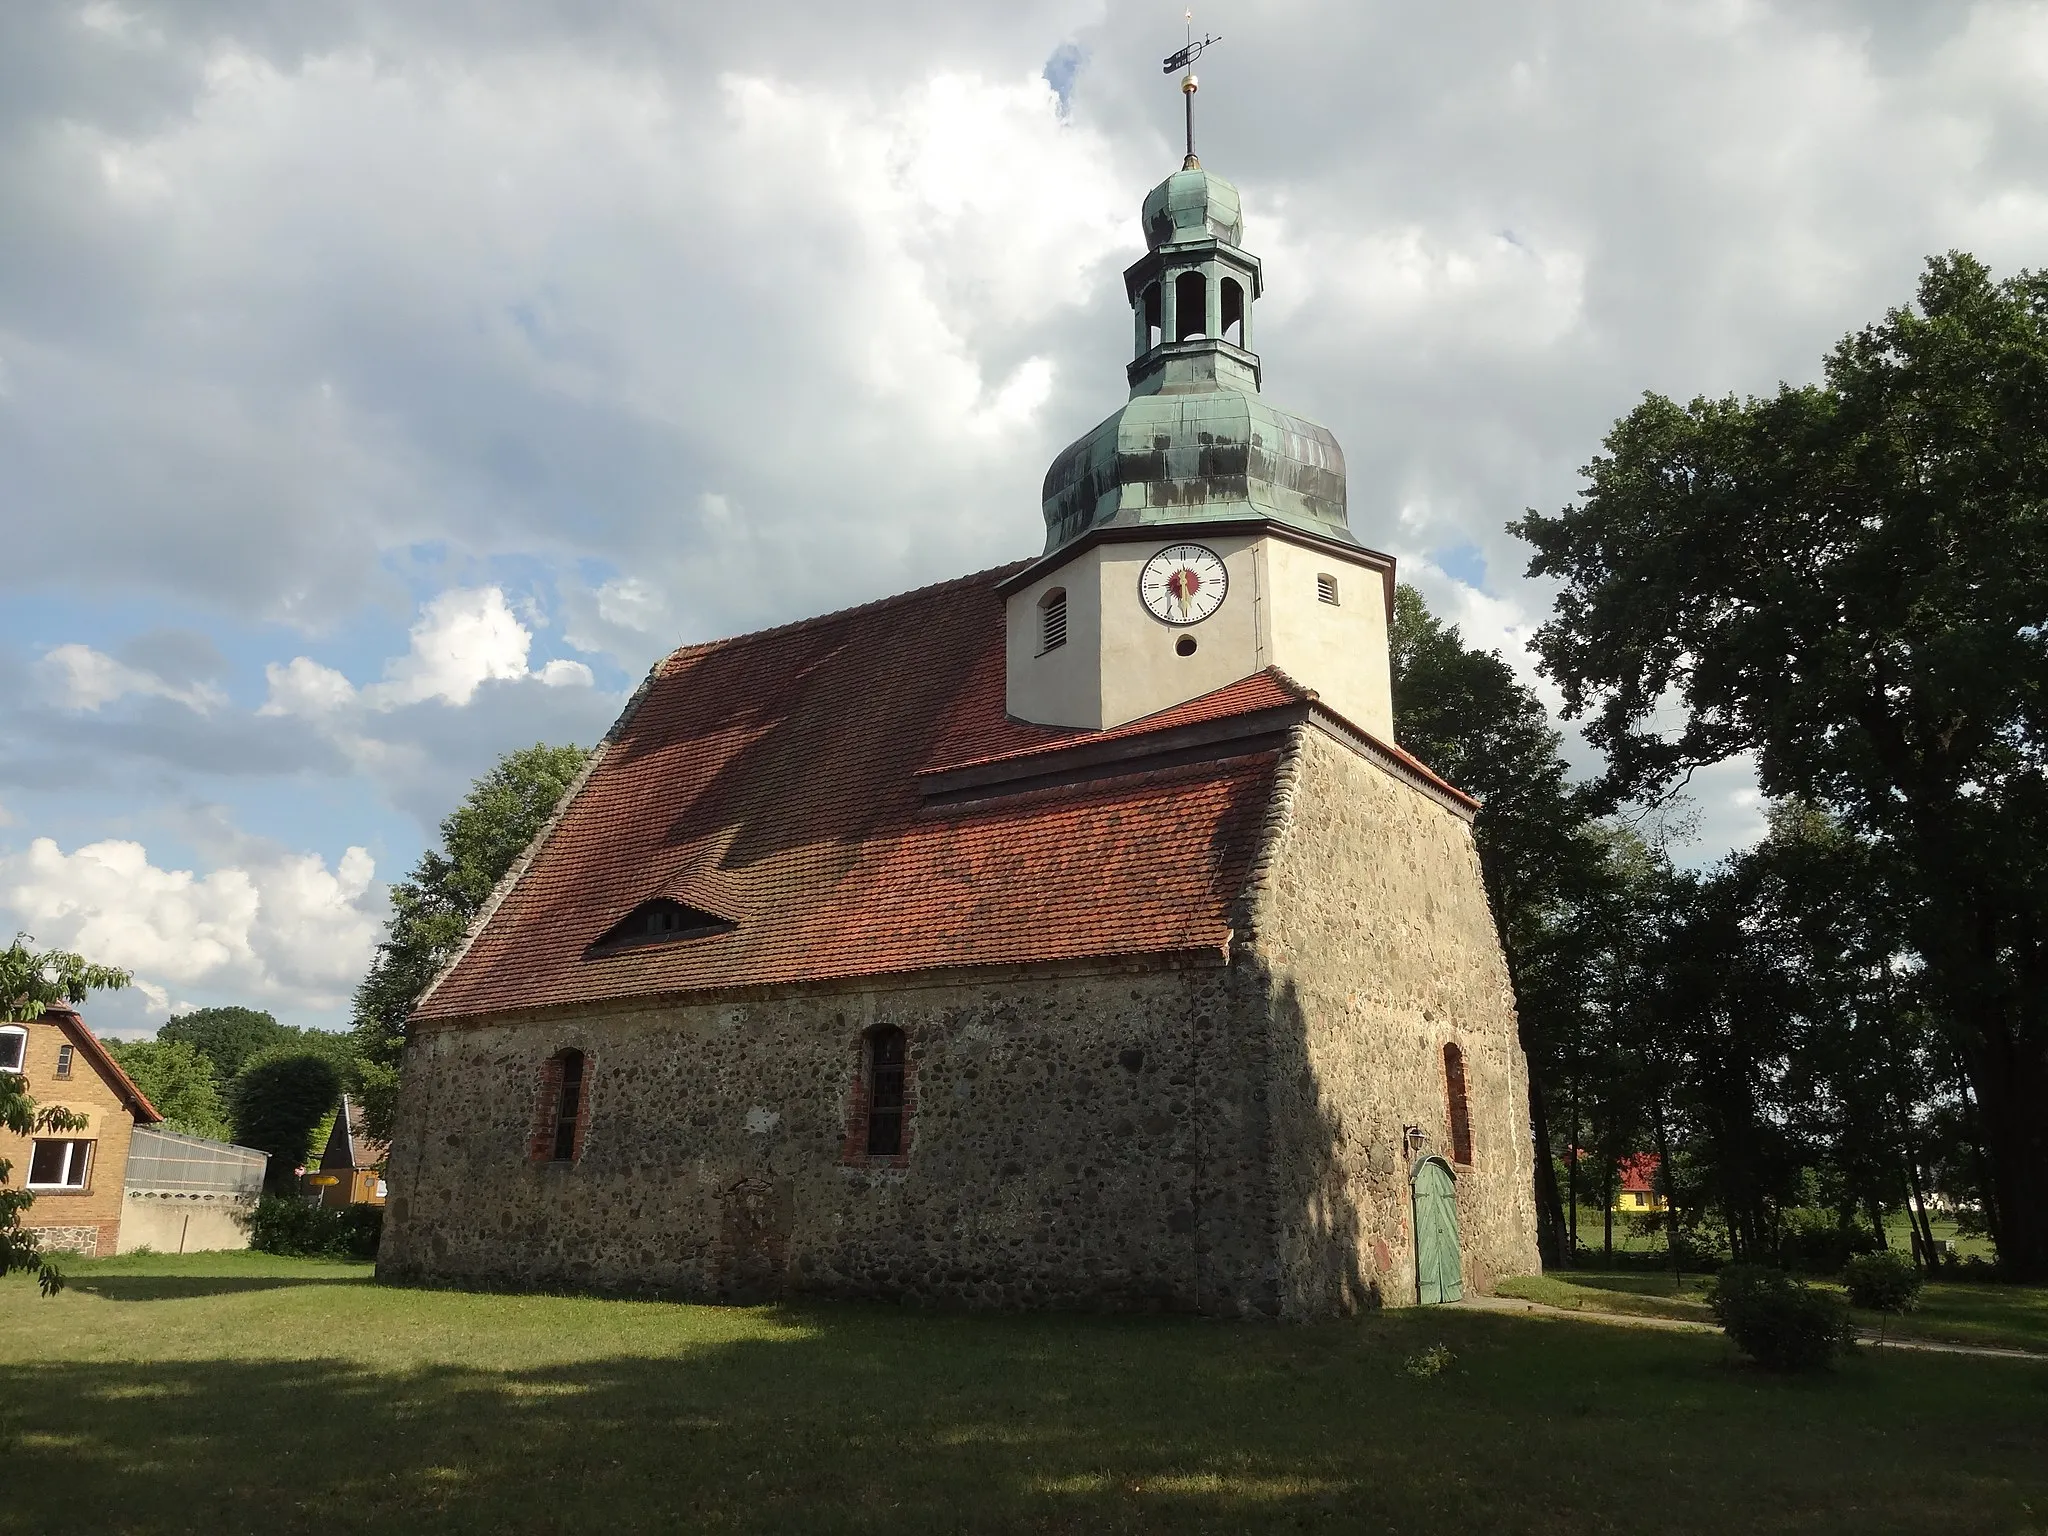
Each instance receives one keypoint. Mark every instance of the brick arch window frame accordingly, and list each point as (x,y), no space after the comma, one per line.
(861,1117)
(561,1128)
(1457,1104)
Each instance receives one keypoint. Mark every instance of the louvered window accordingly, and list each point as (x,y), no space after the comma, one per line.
(1052,620)
(1326,588)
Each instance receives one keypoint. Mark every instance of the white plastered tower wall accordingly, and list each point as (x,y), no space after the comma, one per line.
(1119,663)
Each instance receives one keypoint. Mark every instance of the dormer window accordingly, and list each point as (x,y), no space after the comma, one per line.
(13,1048)
(1052,620)
(660,921)
(1326,588)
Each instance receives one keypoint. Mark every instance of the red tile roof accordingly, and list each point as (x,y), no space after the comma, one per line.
(66,1019)
(1639,1173)
(773,780)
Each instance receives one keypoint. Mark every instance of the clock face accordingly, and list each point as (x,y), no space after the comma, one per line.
(1183,584)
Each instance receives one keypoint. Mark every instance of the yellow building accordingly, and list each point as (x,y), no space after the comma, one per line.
(1639,1195)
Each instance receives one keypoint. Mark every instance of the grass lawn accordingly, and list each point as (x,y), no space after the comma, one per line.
(238,1393)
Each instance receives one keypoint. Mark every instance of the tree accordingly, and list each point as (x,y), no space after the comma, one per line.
(31,981)
(230,1038)
(278,1101)
(433,908)
(179,1081)
(1848,581)
(1465,714)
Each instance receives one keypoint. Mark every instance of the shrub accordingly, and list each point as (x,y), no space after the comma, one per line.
(1820,1242)
(1883,1282)
(1776,1321)
(290,1227)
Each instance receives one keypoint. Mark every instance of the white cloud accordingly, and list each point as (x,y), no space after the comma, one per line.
(463,638)
(85,679)
(281,929)
(304,687)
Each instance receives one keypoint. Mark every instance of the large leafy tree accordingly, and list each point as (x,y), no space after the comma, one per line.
(1465,713)
(227,1037)
(433,908)
(1849,582)
(179,1081)
(278,1102)
(31,981)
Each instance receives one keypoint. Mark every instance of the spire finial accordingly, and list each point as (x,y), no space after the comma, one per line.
(1185,59)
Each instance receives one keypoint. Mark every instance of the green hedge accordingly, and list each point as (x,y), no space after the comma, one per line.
(287,1225)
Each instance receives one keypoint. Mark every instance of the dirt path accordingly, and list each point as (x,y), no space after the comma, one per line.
(1681,1325)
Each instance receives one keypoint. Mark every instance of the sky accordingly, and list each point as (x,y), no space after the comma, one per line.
(385,385)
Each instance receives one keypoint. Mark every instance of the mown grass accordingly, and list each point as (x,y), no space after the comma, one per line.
(238,1393)
(1951,1312)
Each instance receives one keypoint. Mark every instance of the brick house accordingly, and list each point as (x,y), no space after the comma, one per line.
(77,1177)
(1071,934)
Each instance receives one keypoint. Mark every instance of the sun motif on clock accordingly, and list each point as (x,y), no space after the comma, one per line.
(1183,584)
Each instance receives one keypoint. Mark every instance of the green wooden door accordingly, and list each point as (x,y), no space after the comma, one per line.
(1439,1268)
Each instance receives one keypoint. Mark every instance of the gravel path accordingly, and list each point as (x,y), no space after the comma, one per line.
(1681,1325)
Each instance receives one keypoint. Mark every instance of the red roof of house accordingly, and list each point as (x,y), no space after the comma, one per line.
(781,781)
(1639,1173)
(66,1018)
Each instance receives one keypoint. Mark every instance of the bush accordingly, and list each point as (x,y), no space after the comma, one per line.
(1776,1321)
(1883,1282)
(283,1225)
(1821,1243)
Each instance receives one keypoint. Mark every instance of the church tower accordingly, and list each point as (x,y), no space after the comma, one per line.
(1200,534)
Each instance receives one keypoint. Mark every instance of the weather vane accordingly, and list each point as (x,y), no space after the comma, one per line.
(1185,59)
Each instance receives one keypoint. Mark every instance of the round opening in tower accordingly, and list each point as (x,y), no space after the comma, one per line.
(1185,645)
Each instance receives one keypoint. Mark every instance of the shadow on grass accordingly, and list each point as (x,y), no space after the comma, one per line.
(181,1287)
(859,1420)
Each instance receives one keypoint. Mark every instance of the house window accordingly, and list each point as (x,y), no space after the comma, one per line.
(13,1047)
(59,1164)
(885,1093)
(64,1054)
(1052,620)
(568,1105)
(1461,1119)
(1326,588)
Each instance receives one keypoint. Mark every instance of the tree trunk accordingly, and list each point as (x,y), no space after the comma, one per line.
(1549,1206)
(1607,1207)
(2012,1086)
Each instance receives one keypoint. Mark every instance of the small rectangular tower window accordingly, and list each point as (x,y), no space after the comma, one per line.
(1326,588)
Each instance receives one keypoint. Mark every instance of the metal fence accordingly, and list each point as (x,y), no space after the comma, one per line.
(166,1162)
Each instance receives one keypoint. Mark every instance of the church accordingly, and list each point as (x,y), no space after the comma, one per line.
(1072,934)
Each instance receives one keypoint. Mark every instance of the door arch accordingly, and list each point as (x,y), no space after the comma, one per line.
(1439,1263)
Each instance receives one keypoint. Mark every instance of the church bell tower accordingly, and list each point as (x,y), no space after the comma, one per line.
(1199,535)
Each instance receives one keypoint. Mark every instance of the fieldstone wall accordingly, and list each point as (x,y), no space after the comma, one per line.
(1372,922)
(1074,1140)
(1226,1138)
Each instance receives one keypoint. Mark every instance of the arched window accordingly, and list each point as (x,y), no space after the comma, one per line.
(564,1108)
(1191,306)
(1152,319)
(1461,1116)
(13,1048)
(1326,588)
(1052,620)
(885,1092)
(1233,311)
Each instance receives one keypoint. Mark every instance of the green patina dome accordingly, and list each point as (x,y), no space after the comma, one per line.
(1196,444)
(1214,456)
(1193,205)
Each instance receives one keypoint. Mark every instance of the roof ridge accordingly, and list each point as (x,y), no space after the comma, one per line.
(706,647)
